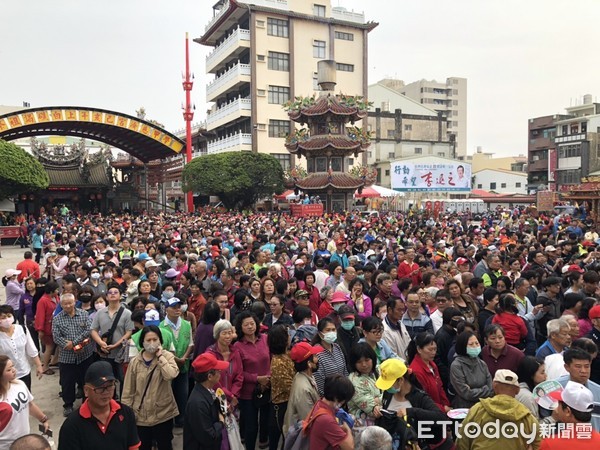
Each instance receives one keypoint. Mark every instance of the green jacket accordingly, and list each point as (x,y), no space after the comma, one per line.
(182,341)
(504,409)
(167,338)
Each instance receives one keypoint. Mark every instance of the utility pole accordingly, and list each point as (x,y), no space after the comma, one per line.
(188,116)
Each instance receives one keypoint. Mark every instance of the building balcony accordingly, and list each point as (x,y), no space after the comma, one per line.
(539,143)
(230,48)
(575,137)
(217,16)
(341,13)
(539,165)
(240,107)
(233,143)
(275,4)
(233,78)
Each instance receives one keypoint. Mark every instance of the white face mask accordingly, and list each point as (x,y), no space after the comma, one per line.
(99,306)
(184,308)
(151,348)
(7,322)
(95,276)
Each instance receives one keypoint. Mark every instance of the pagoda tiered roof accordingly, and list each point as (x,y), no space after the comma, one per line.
(336,180)
(347,108)
(334,142)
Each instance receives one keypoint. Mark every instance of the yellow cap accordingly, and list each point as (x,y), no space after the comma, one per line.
(391,369)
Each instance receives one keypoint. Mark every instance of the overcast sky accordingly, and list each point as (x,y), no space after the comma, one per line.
(522,58)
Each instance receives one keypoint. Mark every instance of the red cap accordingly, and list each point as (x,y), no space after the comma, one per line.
(594,312)
(575,268)
(208,361)
(303,350)
(462,261)
(339,297)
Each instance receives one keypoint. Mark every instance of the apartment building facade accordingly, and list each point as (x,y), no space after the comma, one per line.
(448,98)
(265,52)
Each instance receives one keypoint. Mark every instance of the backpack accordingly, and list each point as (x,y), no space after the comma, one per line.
(297,436)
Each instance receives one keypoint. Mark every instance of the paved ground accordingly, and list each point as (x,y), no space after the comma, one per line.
(46,390)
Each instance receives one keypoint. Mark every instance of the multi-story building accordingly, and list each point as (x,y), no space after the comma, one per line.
(481,160)
(577,144)
(266,53)
(540,146)
(401,128)
(448,98)
(500,181)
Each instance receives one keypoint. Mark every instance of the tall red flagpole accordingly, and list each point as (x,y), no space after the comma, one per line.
(188,116)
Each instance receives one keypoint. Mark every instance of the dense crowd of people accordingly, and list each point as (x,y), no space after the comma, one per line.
(251,330)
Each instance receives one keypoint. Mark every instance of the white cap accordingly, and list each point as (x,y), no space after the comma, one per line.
(12,272)
(576,396)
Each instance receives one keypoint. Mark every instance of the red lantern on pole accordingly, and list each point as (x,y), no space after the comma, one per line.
(92,197)
(99,196)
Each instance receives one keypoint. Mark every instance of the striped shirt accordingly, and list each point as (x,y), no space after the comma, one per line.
(75,329)
(331,362)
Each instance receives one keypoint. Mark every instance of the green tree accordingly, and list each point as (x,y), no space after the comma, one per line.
(19,172)
(239,179)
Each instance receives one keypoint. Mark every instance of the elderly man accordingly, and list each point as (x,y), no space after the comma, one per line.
(559,338)
(502,409)
(395,333)
(31,442)
(71,332)
(349,275)
(374,438)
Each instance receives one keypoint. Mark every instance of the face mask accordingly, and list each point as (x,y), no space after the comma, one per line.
(168,294)
(95,276)
(99,306)
(108,275)
(6,323)
(337,306)
(184,308)
(454,323)
(473,352)
(373,258)
(361,277)
(151,348)
(330,337)
(393,390)
(85,298)
(348,325)
(293,248)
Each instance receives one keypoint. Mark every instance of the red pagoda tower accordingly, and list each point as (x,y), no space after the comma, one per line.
(327,140)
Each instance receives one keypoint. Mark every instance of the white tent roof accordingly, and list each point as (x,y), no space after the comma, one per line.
(385,192)
(7,205)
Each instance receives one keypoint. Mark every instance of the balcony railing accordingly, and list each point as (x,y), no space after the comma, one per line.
(224,48)
(216,17)
(234,72)
(348,16)
(228,143)
(237,105)
(275,4)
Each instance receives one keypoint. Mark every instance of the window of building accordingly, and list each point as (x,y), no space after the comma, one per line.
(391,155)
(350,161)
(369,154)
(345,67)
(279,61)
(310,165)
(442,154)
(278,95)
(574,128)
(455,123)
(344,36)
(285,159)
(279,128)
(565,130)
(260,58)
(492,186)
(569,176)
(418,151)
(337,164)
(454,102)
(407,127)
(278,27)
(549,133)
(584,127)
(518,185)
(378,180)
(319,49)
(390,134)
(387,172)
(569,151)
(321,164)
(503,185)
(480,186)
(319,10)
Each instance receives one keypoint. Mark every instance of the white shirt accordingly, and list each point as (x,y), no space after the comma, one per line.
(555,366)
(436,320)
(18,348)
(320,278)
(15,404)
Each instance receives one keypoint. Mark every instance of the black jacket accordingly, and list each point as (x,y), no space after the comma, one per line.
(285,319)
(424,409)
(201,428)
(346,339)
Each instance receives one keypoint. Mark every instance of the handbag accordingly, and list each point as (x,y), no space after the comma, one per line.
(261,397)
(233,433)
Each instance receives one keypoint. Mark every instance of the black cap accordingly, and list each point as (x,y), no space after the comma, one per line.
(99,373)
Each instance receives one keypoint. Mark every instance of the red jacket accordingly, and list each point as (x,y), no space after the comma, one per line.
(314,299)
(232,378)
(514,326)
(405,269)
(430,381)
(28,268)
(44,312)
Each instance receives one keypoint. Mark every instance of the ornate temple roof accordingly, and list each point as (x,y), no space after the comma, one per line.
(348,108)
(321,181)
(73,177)
(319,143)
